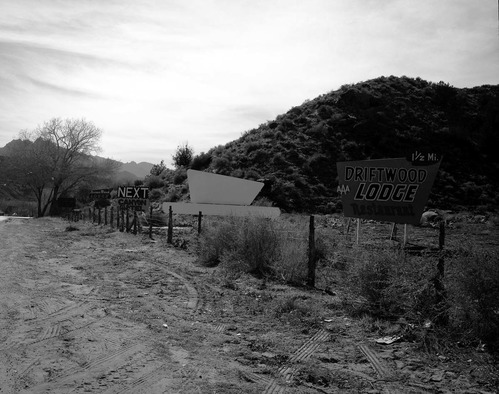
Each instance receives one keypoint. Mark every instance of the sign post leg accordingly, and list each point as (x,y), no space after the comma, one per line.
(393,233)
(348,226)
(358,232)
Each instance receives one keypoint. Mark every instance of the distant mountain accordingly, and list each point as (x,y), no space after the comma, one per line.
(386,117)
(128,172)
(140,170)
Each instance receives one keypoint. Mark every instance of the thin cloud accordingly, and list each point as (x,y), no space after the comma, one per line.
(154,73)
(58,89)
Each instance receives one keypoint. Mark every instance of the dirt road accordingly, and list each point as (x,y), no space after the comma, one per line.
(96,310)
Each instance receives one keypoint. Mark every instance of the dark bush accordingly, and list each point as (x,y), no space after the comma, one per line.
(201,161)
(153,182)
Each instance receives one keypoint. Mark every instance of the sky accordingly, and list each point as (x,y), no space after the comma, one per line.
(156,74)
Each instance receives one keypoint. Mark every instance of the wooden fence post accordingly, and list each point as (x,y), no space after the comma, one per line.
(135,222)
(169,238)
(357,239)
(441,293)
(89,213)
(127,224)
(93,215)
(105,216)
(150,222)
(122,219)
(200,216)
(111,219)
(99,222)
(311,253)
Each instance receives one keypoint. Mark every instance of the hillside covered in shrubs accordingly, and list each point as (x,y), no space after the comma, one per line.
(386,117)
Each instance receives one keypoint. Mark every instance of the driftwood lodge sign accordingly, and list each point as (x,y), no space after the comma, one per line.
(392,190)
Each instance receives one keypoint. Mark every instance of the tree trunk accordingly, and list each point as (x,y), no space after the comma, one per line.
(54,206)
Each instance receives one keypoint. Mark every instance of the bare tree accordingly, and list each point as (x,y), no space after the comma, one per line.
(59,159)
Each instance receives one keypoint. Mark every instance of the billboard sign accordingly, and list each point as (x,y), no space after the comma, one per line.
(135,198)
(392,190)
(208,188)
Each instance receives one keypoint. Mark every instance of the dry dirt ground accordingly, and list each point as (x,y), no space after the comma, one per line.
(95,310)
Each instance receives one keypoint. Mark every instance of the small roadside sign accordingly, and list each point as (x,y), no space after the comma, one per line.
(99,194)
(134,198)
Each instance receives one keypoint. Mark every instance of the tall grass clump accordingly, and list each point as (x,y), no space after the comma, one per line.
(291,264)
(473,286)
(247,244)
(256,245)
(391,284)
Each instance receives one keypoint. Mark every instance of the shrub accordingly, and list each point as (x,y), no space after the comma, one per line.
(153,182)
(392,284)
(387,283)
(474,295)
(251,241)
(201,161)
(218,239)
(259,246)
(156,194)
(179,176)
(172,195)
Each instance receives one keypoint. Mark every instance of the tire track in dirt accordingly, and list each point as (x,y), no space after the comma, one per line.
(194,302)
(91,373)
(380,367)
(144,381)
(55,312)
(128,369)
(53,329)
(49,332)
(303,353)
(383,371)
(132,367)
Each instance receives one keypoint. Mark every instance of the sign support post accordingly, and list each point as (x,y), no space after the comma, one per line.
(357,237)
